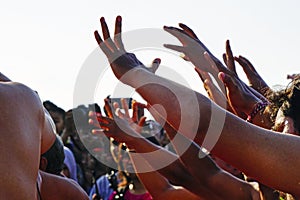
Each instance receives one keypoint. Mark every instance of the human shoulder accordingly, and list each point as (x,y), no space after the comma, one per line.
(58,187)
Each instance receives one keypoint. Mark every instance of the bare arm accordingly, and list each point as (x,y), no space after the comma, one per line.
(162,189)
(250,142)
(150,153)
(202,167)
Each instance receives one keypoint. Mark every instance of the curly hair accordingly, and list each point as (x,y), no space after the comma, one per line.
(288,101)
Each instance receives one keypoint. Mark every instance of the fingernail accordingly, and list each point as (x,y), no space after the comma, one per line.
(157,60)
(221,76)
(119,18)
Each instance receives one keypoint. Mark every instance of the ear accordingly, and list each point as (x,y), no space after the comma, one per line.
(43,163)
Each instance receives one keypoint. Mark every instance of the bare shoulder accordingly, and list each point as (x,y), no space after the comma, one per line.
(17,94)
(56,187)
(20,139)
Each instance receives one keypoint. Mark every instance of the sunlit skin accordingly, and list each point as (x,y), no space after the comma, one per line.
(26,133)
(262,141)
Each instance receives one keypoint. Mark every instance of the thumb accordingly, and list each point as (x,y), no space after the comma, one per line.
(227,80)
(155,64)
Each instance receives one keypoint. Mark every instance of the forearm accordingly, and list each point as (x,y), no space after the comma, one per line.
(162,189)
(182,105)
(173,169)
(241,141)
(273,153)
(211,176)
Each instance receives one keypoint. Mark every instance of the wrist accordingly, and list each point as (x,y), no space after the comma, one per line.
(258,107)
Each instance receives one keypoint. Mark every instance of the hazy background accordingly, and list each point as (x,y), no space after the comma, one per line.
(45,43)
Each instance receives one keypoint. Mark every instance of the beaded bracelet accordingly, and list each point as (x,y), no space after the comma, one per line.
(258,107)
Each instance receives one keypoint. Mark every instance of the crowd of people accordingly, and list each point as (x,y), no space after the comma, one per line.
(115,152)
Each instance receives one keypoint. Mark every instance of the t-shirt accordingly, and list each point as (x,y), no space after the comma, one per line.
(103,187)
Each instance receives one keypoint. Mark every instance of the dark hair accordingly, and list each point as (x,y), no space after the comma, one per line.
(51,107)
(288,100)
(55,157)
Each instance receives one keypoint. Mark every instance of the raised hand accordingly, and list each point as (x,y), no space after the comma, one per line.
(121,61)
(239,97)
(255,80)
(192,48)
(118,129)
(194,51)
(213,91)
(119,120)
(229,59)
(136,122)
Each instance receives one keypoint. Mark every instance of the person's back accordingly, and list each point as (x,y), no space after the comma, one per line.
(22,123)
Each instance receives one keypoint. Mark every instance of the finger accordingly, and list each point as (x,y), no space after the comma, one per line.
(212,62)
(116,105)
(92,114)
(118,31)
(229,57)
(102,45)
(217,96)
(104,120)
(188,31)
(199,72)
(175,47)
(120,114)
(117,111)
(155,64)
(245,63)
(97,131)
(224,58)
(94,122)
(216,67)
(206,84)
(184,57)
(125,107)
(106,35)
(179,34)
(231,87)
(137,110)
(134,111)
(227,80)
(108,108)
(246,68)
(202,74)
(105,30)
(142,121)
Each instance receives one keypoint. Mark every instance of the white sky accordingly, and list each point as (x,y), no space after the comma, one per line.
(44,44)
